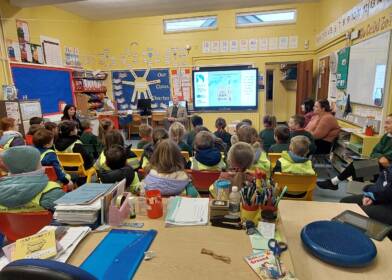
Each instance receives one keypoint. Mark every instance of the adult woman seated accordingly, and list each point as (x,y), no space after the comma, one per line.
(323,126)
(381,156)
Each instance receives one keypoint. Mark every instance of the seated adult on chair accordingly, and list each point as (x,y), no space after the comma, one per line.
(175,113)
(381,155)
(323,126)
(376,199)
(68,142)
(27,188)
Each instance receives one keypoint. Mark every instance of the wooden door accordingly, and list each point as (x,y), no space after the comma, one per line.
(323,84)
(304,82)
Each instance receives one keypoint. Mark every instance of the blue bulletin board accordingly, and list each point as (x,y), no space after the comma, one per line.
(131,85)
(50,85)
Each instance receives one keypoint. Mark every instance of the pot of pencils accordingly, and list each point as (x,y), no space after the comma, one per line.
(250,206)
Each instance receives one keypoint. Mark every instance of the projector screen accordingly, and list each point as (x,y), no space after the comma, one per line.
(225,88)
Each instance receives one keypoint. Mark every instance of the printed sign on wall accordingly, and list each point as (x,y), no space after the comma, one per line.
(131,85)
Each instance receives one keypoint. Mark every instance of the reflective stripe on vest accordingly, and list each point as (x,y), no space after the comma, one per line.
(69,149)
(288,166)
(34,204)
(8,144)
(197,165)
(43,155)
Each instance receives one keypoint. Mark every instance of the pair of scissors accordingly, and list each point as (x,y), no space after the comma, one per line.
(277,248)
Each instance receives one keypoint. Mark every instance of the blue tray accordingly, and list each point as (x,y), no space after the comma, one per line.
(338,244)
(119,254)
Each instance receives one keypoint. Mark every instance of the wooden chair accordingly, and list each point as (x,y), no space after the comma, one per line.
(296,184)
(136,122)
(138,153)
(19,225)
(157,119)
(273,157)
(202,180)
(75,160)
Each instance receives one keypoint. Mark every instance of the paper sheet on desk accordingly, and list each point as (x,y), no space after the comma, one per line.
(187,211)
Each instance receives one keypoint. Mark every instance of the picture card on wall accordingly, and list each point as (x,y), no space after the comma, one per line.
(283,42)
(243,45)
(253,45)
(293,42)
(263,44)
(224,46)
(233,45)
(206,46)
(215,47)
(272,43)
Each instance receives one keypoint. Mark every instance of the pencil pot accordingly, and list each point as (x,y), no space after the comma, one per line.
(250,213)
(269,213)
(154,204)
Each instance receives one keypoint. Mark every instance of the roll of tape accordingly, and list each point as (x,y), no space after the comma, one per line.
(120,200)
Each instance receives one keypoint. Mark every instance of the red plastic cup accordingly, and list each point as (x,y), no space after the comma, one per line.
(154,204)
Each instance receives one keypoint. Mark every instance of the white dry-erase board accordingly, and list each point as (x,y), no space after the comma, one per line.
(368,69)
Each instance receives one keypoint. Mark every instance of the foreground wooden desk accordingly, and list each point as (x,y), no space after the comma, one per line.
(178,253)
(296,214)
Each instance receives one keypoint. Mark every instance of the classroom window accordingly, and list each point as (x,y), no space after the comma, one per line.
(266,18)
(190,24)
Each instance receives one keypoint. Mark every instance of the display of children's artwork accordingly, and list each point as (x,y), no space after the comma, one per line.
(131,85)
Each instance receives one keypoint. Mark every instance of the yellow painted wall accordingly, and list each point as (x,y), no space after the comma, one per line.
(147,32)
(70,29)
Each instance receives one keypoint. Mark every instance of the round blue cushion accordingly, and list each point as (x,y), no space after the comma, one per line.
(338,244)
(73,271)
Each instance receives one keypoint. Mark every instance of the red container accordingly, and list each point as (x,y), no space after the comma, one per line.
(154,204)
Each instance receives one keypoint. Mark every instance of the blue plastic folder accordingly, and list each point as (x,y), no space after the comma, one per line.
(119,254)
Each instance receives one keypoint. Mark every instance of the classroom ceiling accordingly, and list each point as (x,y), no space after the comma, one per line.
(115,9)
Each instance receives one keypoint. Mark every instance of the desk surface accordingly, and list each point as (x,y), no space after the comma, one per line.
(178,253)
(296,214)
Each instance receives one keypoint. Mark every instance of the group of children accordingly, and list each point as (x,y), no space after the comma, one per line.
(163,165)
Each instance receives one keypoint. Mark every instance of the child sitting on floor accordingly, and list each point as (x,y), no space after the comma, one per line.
(297,127)
(249,135)
(105,125)
(166,171)
(158,134)
(53,127)
(26,188)
(295,160)
(43,141)
(116,161)
(145,133)
(176,133)
(267,134)
(90,141)
(29,136)
(282,139)
(114,137)
(36,120)
(240,158)
(207,156)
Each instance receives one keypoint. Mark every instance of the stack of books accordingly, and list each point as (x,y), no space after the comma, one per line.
(83,205)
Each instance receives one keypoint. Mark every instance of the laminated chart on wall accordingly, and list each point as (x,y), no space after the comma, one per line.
(342,71)
(181,81)
(131,85)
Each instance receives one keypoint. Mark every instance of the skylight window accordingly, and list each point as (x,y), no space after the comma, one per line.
(266,18)
(190,24)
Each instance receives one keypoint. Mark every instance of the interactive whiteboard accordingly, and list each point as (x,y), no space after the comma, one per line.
(368,69)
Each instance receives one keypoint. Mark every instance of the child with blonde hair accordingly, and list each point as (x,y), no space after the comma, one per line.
(207,156)
(295,161)
(240,159)
(145,133)
(176,133)
(166,171)
(249,135)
